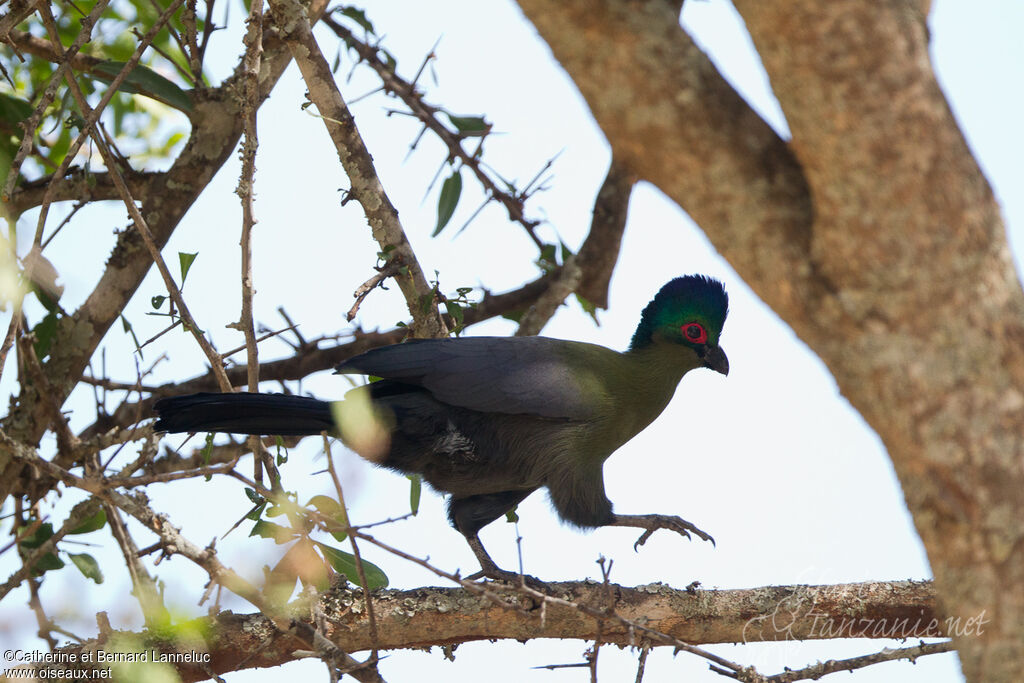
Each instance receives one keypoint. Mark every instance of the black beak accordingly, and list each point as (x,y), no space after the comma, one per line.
(715,358)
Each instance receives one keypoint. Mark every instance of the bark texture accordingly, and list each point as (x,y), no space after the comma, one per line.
(873,233)
(426,617)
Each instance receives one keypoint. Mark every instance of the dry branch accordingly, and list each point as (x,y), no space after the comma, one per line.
(448,616)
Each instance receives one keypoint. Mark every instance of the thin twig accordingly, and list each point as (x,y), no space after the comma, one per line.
(816,671)
(253,42)
(366,188)
(370,613)
(428,114)
(391,269)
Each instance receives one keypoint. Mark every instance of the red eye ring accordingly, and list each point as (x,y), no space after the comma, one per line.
(695,333)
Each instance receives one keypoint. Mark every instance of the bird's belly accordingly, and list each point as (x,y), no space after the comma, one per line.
(464,452)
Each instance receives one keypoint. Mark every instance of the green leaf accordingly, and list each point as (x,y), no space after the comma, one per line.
(548,259)
(38,537)
(415,489)
(514,316)
(512,516)
(14,110)
(46,563)
(345,563)
(566,252)
(44,332)
(144,81)
(127,327)
(275,532)
(185,262)
(333,510)
(470,125)
(256,498)
(589,307)
(455,311)
(157,301)
(359,16)
(451,190)
(94,523)
(207,453)
(88,565)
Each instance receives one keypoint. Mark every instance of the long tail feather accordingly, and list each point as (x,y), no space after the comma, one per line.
(244,413)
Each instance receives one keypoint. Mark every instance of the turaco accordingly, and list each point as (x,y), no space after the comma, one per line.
(489,420)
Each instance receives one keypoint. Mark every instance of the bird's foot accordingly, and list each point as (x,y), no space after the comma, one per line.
(496,573)
(654,522)
(489,570)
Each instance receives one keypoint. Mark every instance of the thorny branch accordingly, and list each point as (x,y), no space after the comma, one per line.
(513,201)
(366,188)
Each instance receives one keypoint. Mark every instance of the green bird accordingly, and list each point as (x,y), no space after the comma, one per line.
(489,420)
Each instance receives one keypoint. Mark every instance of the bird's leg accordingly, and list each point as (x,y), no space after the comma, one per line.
(654,522)
(488,569)
(487,566)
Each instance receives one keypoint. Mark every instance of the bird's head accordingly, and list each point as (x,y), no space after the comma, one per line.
(689,311)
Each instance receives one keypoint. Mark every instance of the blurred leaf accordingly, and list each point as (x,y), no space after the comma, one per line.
(302,562)
(514,316)
(470,125)
(345,563)
(333,510)
(14,110)
(299,562)
(281,452)
(144,81)
(566,253)
(415,489)
(254,497)
(548,259)
(38,537)
(455,311)
(127,327)
(451,190)
(207,453)
(32,541)
(45,331)
(185,261)
(94,523)
(44,279)
(512,516)
(88,565)
(275,532)
(46,563)
(589,307)
(359,16)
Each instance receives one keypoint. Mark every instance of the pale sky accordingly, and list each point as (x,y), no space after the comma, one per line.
(771,460)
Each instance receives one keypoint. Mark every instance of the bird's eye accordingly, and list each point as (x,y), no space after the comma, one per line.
(695,333)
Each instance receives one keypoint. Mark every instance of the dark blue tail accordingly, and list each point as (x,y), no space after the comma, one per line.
(244,413)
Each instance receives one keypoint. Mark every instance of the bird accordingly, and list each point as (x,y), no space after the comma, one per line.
(490,420)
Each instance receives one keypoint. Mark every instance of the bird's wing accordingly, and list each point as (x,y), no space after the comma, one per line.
(512,375)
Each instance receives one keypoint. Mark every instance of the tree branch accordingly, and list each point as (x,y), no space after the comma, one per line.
(366,188)
(874,235)
(448,616)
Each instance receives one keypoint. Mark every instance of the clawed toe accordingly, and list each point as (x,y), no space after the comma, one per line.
(512,578)
(651,523)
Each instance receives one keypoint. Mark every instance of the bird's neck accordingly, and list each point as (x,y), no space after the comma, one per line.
(661,363)
(652,374)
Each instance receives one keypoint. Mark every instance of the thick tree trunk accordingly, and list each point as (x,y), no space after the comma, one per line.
(874,234)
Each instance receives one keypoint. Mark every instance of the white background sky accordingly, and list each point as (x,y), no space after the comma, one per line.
(792,483)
